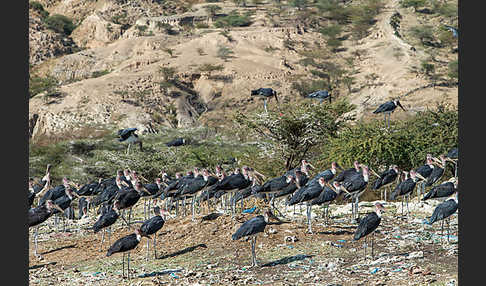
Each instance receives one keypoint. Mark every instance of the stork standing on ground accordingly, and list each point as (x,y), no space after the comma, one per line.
(385,179)
(453,156)
(327,195)
(125,244)
(127,199)
(40,214)
(152,226)
(368,225)
(349,172)
(265,93)
(128,135)
(443,190)
(252,228)
(387,108)
(106,220)
(425,171)
(444,211)
(406,187)
(276,185)
(437,171)
(320,94)
(355,185)
(64,202)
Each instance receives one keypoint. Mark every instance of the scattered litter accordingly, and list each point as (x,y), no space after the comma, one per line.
(341,240)
(249,211)
(336,245)
(416,254)
(397,269)
(96,273)
(173,275)
(374,270)
(291,239)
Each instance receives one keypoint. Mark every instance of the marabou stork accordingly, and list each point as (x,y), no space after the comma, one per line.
(64,202)
(38,215)
(368,225)
(83,206)
(453,156)
(45,182)
(348,172)
(327,195)
(125,244)
(194,186)
(251,228)
(387,108)
(306,194)
(300,180)
(129,198)
(437,171)
(406,187)
(90,189)
(425,171)
(320,94)
(276,185)
(304,168)
(355,185)
(107,218)
(128,135)
(265,93)
(443,190)
(151,226)
(385,179)
(443,211)
(152,188)
(454,31)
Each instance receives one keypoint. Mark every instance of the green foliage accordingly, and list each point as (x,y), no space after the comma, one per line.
(41,84)
(304,87)
(426,67)
(201,26)
(100,73)
(413,3)
(234,19)
(299,4)
(453,72)
(363,17)
(212,10)
(334,10)
(423,32)
(408,142)
(448,10)
(209,68)
(224,53)
(60,24)
(37,6)
(294,131)
(168,73)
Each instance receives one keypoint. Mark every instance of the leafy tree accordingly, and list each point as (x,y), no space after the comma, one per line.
(294,131)
(413,3)
(60,24)
(224,53)
(212,10)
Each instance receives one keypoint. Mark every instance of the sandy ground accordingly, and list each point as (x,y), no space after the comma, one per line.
(406,252)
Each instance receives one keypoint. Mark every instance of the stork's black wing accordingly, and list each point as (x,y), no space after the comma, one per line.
(435,175)
(327,195)
(444,210)
(367,225)
(250,227)
(105,220)
(152,225)
(387,106)
(123,244)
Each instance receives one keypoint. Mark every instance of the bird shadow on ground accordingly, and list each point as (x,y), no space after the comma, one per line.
(338,232)
(42,265)
(159,273)
(286,260)
(185,250)
(211,216)
(59,248)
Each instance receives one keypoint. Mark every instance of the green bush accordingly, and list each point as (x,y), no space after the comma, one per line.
(234,19)
(37,6)
(413,3)
(406,144)
(40,84)
(453,70)
(60,24)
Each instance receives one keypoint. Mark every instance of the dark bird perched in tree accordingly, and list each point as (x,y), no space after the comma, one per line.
(108,217)
(152,226)
(128,135)
(443,190)
(443,211)
(355,185)
(176,142)
(368,225)
(38,215)
(385,179)
(387,108)
(348,172)
(125,244)
(405,188)
(265,93)
(437,171)
(320,95)
(252,228)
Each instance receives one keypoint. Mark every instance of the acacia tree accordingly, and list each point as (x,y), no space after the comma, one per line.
(292,132)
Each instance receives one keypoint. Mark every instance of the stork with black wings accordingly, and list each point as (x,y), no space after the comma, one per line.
(443,190)
(129,136)
(252,228)
(368,225)
(265,93)
(444,211)
(387,108)
(385,179)
(320,95)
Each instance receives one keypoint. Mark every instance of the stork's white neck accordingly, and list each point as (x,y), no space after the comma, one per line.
(333,170)
(139,237)
(378,213)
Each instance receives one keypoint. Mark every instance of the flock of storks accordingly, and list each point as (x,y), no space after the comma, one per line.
(111,197)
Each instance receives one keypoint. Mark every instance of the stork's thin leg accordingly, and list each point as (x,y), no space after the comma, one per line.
(192,208)
(128,265)
(372,240)
(441,230)
(309,223)
(123,265)
(109,234)
(448,230)
(129,217)
(408,211)
(35,240)
(357,207)
(155,246)
(148,253)
(254,260)
(265,105)
(102,239)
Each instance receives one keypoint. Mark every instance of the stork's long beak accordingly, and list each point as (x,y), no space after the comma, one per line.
(311,165)
(339,166)
(125,183)
(436,160)
(420,177)
(76,195)
(399,104)
(144,178)
(375,173)
(57,207)
(145,190)
(451,160)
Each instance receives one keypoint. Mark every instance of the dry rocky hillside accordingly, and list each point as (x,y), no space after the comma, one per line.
(148,63)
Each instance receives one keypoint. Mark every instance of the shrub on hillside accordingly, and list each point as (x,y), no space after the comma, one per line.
(234,19)
(60,24)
